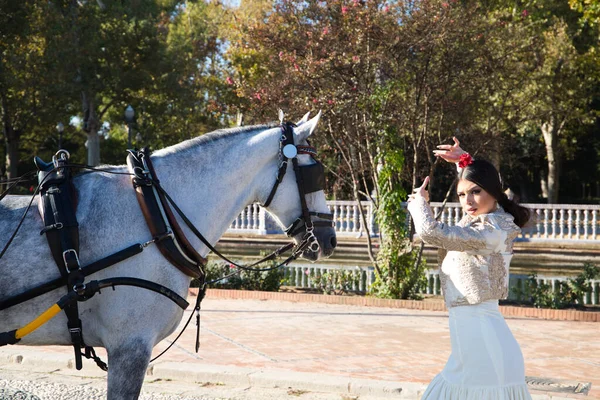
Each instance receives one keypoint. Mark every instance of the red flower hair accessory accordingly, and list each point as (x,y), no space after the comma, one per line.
(465,159)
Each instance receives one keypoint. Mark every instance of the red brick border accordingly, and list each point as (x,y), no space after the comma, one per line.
(429,305)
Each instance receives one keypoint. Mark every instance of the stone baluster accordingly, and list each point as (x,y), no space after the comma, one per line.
(244,216)
(430,283)
(371,218)
(594,224)
(361,282)
(569,223)
(349,218)
(361,224)
(561,223)
(447,215)
(336,215)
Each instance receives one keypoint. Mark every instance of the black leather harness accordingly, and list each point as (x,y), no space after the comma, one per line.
(309,178)
(58,208)
(58,205)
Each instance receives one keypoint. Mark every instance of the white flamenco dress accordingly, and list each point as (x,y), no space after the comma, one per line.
(486,362)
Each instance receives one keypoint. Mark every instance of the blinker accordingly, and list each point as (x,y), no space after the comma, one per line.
(290,151)
(313,177)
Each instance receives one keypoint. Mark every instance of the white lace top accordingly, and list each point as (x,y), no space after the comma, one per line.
(476,253)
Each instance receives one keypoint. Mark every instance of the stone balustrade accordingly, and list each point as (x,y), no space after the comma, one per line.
(552,225)
(551,222)
(301,275)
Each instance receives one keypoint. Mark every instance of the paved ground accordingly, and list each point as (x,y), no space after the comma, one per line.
(343,349)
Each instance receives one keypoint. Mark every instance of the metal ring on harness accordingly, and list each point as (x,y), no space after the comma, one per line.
(61,155)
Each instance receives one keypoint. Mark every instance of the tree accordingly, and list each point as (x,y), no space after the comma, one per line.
(92,59)
(25,81)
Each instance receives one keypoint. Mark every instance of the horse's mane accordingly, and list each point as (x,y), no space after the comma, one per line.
(211,137)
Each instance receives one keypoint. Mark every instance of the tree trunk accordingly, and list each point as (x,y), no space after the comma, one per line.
(497,150)
(12,154)
(12,141)
(544,186)
(91,127)
(549,132)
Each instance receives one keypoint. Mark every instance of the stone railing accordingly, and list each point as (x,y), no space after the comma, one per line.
(300,275)
(552,222)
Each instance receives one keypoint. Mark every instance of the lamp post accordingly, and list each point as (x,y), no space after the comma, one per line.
(129,114)
(60,128)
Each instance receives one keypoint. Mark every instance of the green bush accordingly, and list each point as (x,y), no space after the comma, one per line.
(398,275)
(569,293)
(337,281)
(269,281)
(400,278)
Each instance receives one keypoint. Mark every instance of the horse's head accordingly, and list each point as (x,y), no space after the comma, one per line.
(297,198)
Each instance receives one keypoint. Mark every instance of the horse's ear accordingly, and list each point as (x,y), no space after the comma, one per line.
(304,119)
(306,129)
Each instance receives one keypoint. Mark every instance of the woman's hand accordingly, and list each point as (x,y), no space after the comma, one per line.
(420,191)
(449,152)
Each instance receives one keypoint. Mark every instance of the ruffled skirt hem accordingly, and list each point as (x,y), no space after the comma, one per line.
(440,389)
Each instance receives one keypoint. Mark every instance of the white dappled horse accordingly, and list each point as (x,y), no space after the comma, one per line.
(212,178)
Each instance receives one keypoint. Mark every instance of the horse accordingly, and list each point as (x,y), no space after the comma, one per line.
(212,178)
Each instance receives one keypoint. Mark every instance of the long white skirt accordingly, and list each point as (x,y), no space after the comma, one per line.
(486,361)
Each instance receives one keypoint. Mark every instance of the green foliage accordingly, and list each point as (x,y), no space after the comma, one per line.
(398,274)
(569,293)
(269,281)
(492,72)
(337,281)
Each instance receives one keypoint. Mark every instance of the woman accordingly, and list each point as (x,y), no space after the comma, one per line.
(486,361)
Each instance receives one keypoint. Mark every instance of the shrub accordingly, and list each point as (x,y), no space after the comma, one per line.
(240,279)
(569,293)
(337,281)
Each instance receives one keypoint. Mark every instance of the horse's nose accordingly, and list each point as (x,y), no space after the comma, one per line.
(333,241)
(329,245)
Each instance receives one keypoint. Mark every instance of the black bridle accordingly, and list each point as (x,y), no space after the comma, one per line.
(309,178)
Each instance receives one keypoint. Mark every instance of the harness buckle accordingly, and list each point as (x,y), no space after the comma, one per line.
(66,254)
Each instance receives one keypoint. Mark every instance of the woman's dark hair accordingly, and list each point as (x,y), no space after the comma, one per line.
(485,175)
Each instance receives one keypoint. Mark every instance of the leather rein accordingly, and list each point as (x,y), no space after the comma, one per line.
(308,178)
(178,250)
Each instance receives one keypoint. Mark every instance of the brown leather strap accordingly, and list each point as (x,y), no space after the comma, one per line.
(179,235)
(171,247)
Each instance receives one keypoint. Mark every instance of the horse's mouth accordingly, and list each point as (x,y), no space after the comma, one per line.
(310,255)
(317,255)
